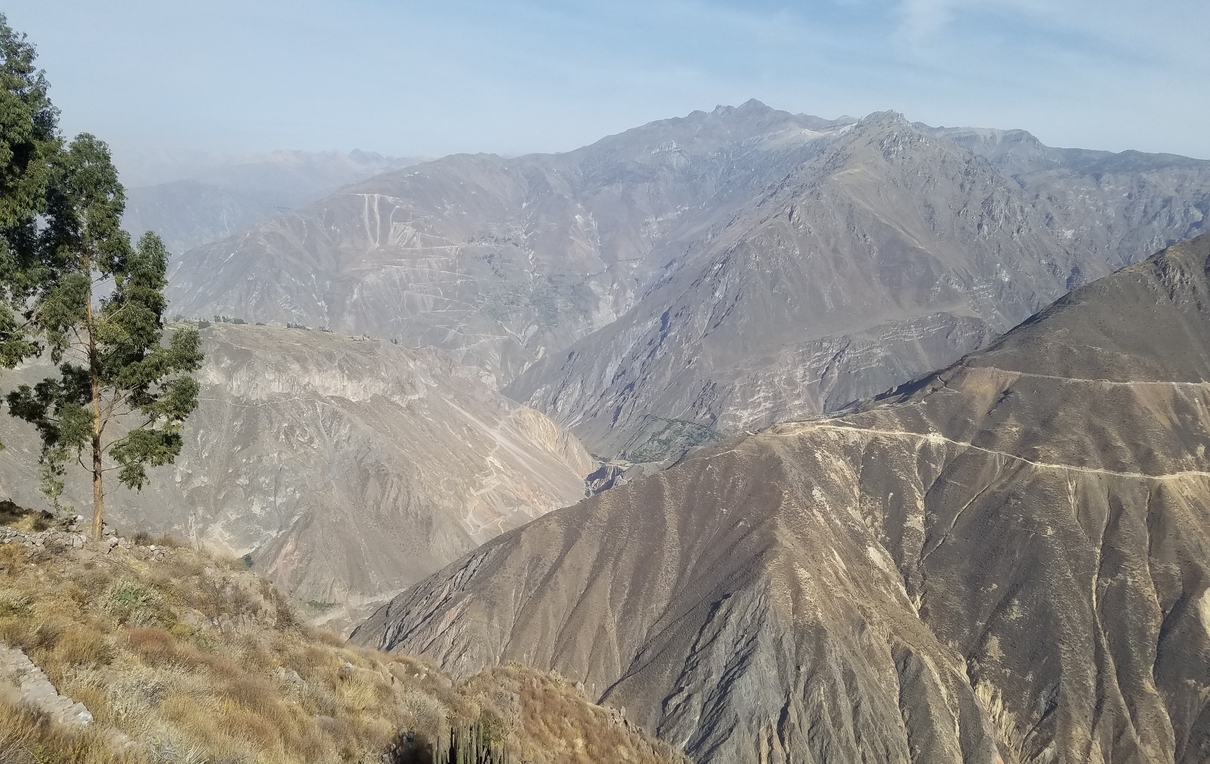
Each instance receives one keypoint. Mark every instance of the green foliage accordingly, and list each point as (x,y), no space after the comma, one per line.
(132,602)
(112,358)
(666,437)
(29,142)
(121,391)
(481,742)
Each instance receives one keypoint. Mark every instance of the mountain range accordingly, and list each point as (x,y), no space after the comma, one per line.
(707,275)
(1005,561)
(1002,561)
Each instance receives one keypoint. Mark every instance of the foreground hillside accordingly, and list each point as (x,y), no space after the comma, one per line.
(347,469)
(181,657)
(1005,563)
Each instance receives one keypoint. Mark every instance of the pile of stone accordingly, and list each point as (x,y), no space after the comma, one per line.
(22,682)
(72,533)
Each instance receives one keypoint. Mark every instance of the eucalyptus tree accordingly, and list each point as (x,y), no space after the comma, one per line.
(122,391)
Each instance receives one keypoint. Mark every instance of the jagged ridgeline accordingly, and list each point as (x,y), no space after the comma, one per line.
(1005,562)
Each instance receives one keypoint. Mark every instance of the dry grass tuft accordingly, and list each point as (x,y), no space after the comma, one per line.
(168,541)
(547,721)
(84,647)
(28,520)
(27,737)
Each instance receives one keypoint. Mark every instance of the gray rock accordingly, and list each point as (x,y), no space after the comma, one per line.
(23,682)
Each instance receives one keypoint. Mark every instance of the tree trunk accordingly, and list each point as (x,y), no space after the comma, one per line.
(98,495)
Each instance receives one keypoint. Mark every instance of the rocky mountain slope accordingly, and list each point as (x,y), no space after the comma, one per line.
(701,276)
(216,202)
(891,253)
(498,260)
(1005,562)
(348,469)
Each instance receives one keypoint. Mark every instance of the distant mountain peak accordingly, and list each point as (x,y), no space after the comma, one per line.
(751,106)
(888,117)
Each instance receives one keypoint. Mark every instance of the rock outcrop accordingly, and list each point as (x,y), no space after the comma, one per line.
(1004,562)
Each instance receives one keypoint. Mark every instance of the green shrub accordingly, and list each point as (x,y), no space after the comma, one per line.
(137,604)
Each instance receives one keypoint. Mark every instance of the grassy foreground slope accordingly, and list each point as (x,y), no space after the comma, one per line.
(182,657)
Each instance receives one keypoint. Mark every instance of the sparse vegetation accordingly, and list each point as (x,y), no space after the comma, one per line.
(26,737)
(668,438)
(196,659)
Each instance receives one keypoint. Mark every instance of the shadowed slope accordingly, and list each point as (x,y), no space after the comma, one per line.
(1007,562)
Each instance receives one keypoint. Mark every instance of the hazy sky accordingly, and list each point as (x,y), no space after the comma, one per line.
(411,78)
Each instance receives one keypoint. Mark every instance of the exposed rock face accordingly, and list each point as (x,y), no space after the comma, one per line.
(701,276)
(219,201)
(347,469)
(1006,562)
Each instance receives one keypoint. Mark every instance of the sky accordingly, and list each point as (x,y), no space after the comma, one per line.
(174,77)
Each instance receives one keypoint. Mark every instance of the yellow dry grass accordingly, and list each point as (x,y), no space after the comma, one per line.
(182,657)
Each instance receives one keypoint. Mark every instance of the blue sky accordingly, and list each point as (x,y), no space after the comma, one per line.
(411,78)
